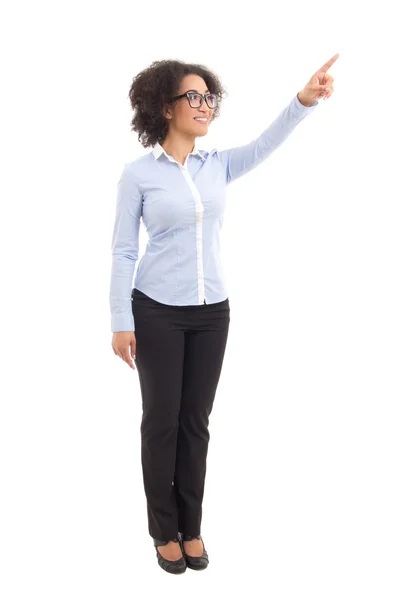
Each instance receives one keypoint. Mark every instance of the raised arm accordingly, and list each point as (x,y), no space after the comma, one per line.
(242,159)
(125,250)
(238,161)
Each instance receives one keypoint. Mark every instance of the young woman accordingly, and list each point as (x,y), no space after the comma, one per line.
(174,323)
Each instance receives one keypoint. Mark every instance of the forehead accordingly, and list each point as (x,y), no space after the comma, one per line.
(193,82)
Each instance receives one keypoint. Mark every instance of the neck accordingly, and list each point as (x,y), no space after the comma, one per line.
(178,146)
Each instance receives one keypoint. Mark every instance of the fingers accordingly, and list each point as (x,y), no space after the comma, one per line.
(329,63)
(324,91)
(329,94)
(124,345)
(127,358)
(320,88)
(328,84)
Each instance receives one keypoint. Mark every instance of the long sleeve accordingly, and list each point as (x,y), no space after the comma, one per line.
(240,160)
(125,250)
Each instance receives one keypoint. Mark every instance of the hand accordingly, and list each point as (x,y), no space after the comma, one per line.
(122,343)
(320,85)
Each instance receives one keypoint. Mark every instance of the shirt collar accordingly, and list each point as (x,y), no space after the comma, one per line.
(158,150)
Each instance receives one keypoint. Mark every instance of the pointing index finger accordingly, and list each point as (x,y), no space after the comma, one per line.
(329,63)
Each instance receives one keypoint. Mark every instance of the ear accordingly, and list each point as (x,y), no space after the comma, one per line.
(167,112)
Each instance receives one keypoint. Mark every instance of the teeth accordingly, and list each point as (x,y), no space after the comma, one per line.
(200,119)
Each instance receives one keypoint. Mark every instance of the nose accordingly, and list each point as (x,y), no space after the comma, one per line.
(203,110)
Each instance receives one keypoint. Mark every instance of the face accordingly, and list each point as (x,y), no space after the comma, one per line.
(181,117)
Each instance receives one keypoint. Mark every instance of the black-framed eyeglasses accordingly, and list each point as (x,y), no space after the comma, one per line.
(196,99)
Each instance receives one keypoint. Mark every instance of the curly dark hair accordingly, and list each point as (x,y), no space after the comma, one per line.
(154,87)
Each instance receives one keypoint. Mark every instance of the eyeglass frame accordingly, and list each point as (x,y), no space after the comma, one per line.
(203,98)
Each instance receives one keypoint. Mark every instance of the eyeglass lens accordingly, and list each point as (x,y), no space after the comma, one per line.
(195,100)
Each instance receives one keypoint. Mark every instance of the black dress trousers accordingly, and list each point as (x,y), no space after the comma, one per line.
(179,356)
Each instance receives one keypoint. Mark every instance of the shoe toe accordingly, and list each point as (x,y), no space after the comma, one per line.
(195,562)
(172,566)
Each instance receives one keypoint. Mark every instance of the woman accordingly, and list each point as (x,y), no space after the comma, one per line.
(175,321)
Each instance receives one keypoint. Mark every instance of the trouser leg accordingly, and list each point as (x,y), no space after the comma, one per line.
(203,358)
(159,362)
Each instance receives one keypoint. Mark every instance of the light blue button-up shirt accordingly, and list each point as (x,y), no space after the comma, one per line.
(182,208)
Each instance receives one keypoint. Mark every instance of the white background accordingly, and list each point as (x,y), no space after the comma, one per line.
(302,486)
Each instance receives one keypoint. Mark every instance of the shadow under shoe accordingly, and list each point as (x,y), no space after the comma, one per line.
(194,562)
(171,566)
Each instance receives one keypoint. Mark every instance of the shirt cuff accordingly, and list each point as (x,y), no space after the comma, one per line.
(301,106)
(122,322)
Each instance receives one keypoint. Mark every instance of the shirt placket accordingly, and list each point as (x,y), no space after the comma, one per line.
(199,229)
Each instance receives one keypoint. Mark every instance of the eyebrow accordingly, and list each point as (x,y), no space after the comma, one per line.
(207,90)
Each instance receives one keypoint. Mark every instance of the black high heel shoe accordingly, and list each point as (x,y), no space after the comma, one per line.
(171,566)
(194,562)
